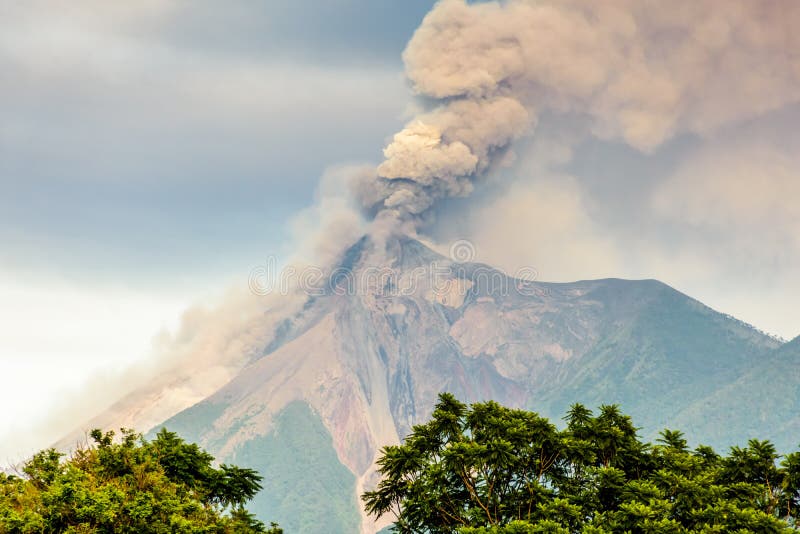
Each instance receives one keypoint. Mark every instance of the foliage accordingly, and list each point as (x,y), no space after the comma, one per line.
(130,485)
(487,469)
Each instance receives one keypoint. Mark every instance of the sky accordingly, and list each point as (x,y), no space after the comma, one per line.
(152,153)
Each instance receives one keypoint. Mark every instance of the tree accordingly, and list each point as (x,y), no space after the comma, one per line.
(130,485)
(486,468)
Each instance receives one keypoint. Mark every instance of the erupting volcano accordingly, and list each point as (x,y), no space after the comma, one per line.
(364,358)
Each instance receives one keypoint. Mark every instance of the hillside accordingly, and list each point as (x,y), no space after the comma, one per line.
(354,369)
(764,402)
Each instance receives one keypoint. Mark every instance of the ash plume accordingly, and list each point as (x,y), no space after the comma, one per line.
(637,71)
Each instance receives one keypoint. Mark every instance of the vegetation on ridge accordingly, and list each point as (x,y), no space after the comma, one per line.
(130,486)
(487,469)
(477,469)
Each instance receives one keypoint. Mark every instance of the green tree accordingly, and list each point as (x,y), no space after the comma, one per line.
(485,468)
(130,485)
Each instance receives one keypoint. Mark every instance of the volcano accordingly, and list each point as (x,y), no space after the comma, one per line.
(364,358)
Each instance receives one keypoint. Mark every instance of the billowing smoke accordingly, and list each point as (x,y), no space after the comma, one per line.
(637,71)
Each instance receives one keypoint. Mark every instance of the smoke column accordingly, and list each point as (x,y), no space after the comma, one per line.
(637,71)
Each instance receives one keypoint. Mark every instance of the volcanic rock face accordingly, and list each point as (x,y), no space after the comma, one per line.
(367,355)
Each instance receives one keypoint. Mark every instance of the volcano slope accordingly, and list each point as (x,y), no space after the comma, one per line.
(396,323)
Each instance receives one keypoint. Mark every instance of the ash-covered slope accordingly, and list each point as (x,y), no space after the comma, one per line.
(365,359)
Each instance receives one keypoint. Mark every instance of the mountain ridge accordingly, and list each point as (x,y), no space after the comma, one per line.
(365,358)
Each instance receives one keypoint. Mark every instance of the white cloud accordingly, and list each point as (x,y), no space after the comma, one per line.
(745,192)
(733,205)
(544,225)
(724,227)
(54,336)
